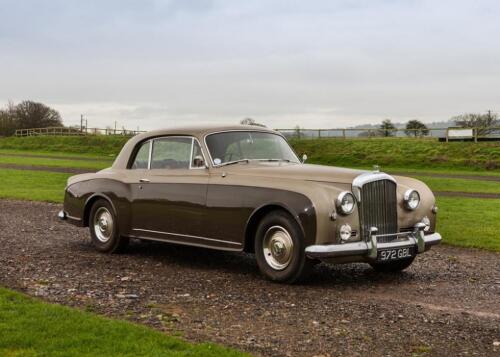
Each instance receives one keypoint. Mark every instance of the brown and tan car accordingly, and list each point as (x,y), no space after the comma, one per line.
(242,188)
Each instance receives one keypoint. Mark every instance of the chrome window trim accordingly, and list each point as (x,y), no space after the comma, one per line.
(151,142)
(192,157)
(150,153)
(242,130)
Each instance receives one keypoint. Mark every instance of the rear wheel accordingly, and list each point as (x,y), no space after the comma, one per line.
(393,267)
(279,249)
(103,228)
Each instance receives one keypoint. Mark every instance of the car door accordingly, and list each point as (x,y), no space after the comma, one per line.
(169,197)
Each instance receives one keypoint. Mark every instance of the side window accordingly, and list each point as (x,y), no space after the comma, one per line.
(142,157)
(171,153)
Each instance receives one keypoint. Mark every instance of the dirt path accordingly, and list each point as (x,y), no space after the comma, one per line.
(447,303)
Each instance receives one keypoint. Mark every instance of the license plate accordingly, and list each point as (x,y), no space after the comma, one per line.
(394,254)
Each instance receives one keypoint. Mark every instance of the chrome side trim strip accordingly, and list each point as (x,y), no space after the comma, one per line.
(186,235)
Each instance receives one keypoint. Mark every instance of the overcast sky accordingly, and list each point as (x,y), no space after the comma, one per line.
(315,63)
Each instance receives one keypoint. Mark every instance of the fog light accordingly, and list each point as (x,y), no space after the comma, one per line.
(345,232)
(427,223)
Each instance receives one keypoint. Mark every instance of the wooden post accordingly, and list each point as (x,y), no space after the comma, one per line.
(475,135)
(447,130)
(319,133)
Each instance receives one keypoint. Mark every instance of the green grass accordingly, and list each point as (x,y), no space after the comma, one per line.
(32,185)
(59,155)
(469,222)
(460,185)
(391,153)
(92,165)
(29,327)
(93,145)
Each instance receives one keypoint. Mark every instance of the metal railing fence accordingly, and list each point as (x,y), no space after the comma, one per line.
(74,131)
(446,134)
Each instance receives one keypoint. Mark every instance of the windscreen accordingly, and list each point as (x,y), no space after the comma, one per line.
(251,145)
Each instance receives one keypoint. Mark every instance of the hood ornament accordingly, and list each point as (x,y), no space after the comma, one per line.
(376,168)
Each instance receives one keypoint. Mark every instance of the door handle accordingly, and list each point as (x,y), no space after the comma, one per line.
(144,180)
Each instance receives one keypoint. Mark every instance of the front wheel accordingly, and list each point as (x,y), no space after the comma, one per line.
(280,249)
(104,228)
(393,267)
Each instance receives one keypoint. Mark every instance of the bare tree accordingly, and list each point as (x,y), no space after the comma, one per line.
(250,121)
(483,122)
(416,128)
(29,114)
(387,128)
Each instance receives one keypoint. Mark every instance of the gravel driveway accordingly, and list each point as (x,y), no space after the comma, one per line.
(447,303)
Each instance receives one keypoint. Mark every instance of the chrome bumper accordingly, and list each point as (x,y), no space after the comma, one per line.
(370,249)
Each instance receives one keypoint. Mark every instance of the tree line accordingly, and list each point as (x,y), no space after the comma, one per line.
(484,124)
(26,115)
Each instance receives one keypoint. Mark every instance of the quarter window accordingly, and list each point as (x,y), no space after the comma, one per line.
(142,157)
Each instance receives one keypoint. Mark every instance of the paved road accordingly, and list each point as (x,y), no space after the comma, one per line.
(447,303)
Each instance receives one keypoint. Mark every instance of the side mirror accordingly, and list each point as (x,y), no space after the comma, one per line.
(304,158)
(198,161)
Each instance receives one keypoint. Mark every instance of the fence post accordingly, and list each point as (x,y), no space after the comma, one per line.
(475,135)
(447,130)
(343,133)
(319,133)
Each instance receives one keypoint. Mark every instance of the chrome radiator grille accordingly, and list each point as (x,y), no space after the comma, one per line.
(378,208)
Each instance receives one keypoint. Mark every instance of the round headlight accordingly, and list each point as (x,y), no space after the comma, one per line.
(345,202)
(411,199)
(345,232)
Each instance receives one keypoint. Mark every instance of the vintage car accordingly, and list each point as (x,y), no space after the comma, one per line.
(243,189)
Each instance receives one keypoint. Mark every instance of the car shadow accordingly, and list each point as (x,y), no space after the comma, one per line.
(355,275)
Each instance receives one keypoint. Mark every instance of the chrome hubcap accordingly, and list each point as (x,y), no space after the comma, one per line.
(103,224)
(278,247)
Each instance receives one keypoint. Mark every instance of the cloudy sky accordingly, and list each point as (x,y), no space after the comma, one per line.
(315,63)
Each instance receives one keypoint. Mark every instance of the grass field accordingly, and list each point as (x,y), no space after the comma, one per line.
(29,327)
(99,145)
(80,163)
(460,185)
(393,153)
(32,185)
(469,222)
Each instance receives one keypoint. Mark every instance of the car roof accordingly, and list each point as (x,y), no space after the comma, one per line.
(199,132)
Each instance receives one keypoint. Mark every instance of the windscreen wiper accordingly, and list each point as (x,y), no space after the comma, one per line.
(275,160)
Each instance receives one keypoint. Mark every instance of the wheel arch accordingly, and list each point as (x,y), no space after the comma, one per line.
(258,214)
(90,202)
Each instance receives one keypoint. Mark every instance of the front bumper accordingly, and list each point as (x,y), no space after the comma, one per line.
(369,250)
